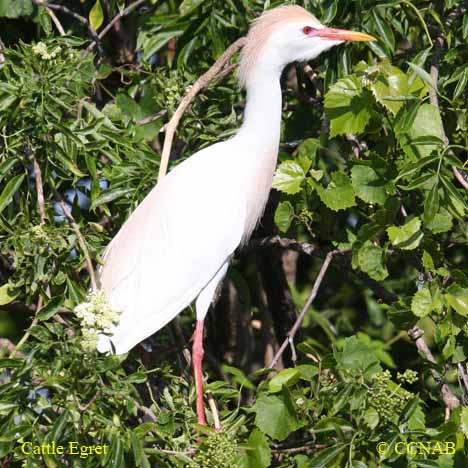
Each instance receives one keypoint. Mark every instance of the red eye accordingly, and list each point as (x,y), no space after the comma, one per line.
(307,30)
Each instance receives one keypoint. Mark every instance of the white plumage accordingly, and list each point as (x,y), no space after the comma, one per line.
(175,248)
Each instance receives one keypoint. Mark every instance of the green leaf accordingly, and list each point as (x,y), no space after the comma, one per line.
(421,304)
(110,195)
(284,215)
(96,15)
(289,176)
(357,358)
(348,106)
(15,8)
(325,457)
(406,237)
(59,425)
(187,6)
(258,453)
(9,191)
(286,377)
(461,84)
(367,185)
(276,415)
(464,421)
(417,420)
(431,204)
(7,294)
(339,194)
(371,417)
(50,309)
(386,86)
(370,260)
(385,33)
(457,297)
(423,74)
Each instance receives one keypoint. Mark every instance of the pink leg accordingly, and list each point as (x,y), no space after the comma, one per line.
(197,359)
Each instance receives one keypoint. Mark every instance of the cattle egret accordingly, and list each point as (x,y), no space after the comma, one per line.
(176,246)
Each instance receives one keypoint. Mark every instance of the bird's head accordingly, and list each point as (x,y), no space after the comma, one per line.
(287,34)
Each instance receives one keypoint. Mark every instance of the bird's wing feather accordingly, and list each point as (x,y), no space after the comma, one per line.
(173,244)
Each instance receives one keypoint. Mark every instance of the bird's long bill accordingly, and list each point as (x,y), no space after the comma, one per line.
(343,35)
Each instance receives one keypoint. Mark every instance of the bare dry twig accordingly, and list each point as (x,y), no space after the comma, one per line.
(114,20)
(53,17)
(450,400)
(318,281)
(81,240)
(215,71)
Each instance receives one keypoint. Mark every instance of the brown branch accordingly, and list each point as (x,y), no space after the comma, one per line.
(152,118)
(215,71)
(114,20)
(53,17)
(146,411)
(318,281)
(214,412)
(285,243)
(39,190)
(81,240)
(462,177)
(81,19)
(450,400)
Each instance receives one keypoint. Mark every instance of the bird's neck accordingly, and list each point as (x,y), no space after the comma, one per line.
(262,117)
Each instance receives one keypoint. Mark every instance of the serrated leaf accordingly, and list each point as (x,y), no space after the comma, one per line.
(421,304)
(357,358)
(289,176)
(96,15)
(339,193)
(406,237)
(393,83)
(457,297)
(286,377)
(284,215)
(367,185)
(348,106)
(276,416)
(370,261)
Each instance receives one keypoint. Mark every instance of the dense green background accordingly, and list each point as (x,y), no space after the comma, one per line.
(373,152)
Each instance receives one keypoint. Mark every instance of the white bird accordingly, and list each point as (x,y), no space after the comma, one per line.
(176,246)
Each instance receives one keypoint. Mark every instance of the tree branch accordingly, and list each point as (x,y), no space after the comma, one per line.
(53,17)
(318,281)
(114,20)
(202,82)
(450,400)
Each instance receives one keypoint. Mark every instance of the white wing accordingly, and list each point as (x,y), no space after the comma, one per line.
(173,244)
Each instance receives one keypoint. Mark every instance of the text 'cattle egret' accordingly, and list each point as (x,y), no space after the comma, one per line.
(175,248)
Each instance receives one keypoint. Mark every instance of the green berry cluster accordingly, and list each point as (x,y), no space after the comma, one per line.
(305,216)
(409,377)
(217,451)
(328,381)
(388,398)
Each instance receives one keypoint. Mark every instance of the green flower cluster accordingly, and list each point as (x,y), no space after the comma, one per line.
(388,398)
(217,451)
(41,49)
(409,377)
(97,317)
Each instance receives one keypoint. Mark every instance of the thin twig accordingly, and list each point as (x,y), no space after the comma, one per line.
(313,294)
(146,411)
(90,402)
(116,18)
(152,118)
(214,411)
(460,177)
(81,240)
(450,400)
(54,19)
(34,322)
(39,190)
(78,17)
(202,82)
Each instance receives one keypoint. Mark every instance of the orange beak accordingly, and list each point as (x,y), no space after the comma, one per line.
(342,35)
